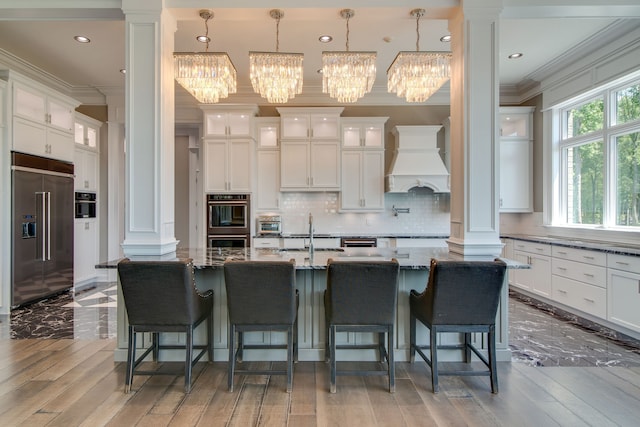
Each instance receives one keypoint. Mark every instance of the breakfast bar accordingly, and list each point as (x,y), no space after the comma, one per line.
(311,283)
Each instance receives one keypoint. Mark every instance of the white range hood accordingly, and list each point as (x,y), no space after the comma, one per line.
(416,161)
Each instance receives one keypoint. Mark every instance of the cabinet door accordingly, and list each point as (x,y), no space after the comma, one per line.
(623,298)
(85,250)
(215,124)
(351,136)
(294,162)
(324,126)
(30,137)
(522,278)
(29,104)
(60,144)
(541,275)
(215,166)
(239,169)
(351,196)
(91,164)
(239,124)
(295,126)
(268,182)
(515,176)
(60,115)
(325,162)
(373,179)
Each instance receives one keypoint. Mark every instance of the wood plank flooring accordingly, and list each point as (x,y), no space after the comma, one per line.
(76,383)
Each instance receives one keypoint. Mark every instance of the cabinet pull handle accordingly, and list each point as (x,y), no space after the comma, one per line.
(589,300)
(540,249)
(562,291)
(587,257)
(622,263)
(561,268)
(520,246)
(588,275)
(562,253)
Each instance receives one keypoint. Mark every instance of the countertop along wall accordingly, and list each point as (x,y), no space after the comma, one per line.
(428,214)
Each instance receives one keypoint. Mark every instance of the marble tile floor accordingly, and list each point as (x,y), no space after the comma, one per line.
(538,336)
(88,314)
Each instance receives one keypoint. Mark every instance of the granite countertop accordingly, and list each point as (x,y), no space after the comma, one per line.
(608,247)
(351,235)
(408,258)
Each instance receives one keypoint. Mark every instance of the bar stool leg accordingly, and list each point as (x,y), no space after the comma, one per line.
(332,357)
(232,358)
(390,361)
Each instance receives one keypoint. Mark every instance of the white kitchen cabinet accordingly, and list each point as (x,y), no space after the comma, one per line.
(362,180)
(312,123)
(579,279)
(267,195)
(42,120)
(309,165)
(86,167)
(86,250)
(537,279)
(228,148)
(227,165)
(365,132)
(267,185)
(516,159)
(229,120)
(623,291)
(310,148)
(87,131)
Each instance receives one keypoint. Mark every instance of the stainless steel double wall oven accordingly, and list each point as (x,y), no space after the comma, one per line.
(228,220)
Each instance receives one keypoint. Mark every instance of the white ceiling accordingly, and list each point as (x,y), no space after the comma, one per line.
(49,45)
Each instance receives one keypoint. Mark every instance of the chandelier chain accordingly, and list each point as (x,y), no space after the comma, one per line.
(206,31)
(348,17)
(418,32)
(278,34)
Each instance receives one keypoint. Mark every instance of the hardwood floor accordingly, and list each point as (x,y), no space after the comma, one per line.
(64,382)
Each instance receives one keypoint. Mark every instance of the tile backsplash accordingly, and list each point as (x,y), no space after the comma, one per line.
(428,213)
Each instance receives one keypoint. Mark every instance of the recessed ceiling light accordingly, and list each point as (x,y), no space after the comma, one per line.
(445,39)
(82,39)
(516,55)
(123,71)
(319,71)
(325,39)
(203,39)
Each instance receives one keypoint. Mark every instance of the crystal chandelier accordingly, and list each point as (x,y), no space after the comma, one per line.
(348,76)
(208,76)
(418,75)
(276,76)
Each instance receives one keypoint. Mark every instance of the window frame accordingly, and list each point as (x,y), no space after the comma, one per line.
(608,134)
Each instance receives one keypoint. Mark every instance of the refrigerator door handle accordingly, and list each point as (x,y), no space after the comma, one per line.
(44,224)
(48,226)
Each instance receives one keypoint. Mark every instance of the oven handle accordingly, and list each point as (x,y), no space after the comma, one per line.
(228,202)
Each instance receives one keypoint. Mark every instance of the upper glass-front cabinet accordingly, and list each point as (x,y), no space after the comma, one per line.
(40,108)
(514,124)
(228,121)
(310,123)
(363,132)
(267,131)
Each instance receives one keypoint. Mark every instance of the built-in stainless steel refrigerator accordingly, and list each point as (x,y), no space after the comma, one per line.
(42,222)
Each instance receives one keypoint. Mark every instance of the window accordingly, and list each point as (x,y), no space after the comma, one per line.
(598,149)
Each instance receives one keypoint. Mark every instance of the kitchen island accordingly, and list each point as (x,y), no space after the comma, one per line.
(311,283)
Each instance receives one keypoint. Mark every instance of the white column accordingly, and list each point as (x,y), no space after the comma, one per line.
(474,130)
(149,165)
(115,173)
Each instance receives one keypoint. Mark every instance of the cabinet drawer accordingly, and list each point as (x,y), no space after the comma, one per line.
(534,248)
(584,297)
(624,263)
(591,274)
(580,255)
(266,243)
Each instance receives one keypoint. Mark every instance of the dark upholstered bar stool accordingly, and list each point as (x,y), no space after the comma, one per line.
(361,296)
(161,296)
(461,296)
(261,296)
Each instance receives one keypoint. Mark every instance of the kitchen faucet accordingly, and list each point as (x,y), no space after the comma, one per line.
(310,233)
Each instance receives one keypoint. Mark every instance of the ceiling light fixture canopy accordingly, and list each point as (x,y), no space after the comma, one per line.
(418,75)
(208,76)
(348,76)
(276,76)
